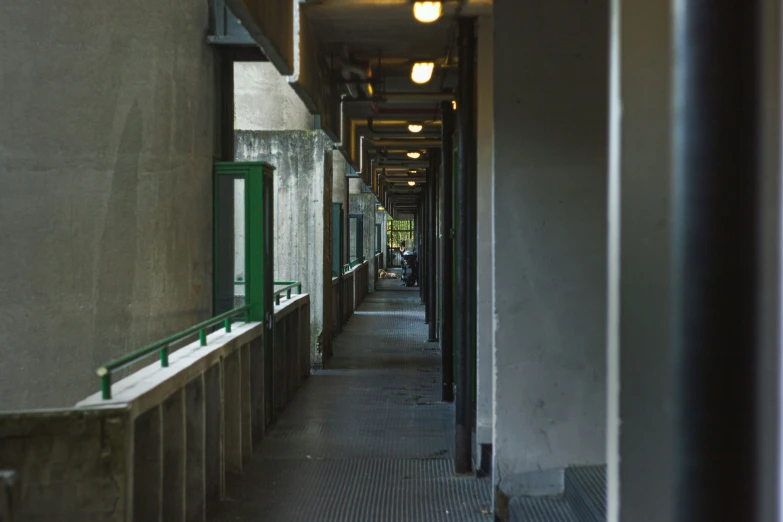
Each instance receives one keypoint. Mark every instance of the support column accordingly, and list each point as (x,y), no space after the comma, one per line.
(485,249)
(432,260)
(447,259)
(465,256)
(717,179)
(550,163)
(640,380)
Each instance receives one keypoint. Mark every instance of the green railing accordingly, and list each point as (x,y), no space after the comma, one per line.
(162,347)
(287,287)
(352,264)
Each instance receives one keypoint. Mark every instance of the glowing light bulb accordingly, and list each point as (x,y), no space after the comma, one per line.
(454,105)
(422,72)
(427,12)
(415,128)
(380,208)
(414,155)
(411,183)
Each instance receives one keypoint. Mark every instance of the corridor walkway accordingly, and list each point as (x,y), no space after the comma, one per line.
(366,439)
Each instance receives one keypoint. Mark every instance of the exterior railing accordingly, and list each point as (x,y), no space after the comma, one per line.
(352,264)
(162,347)
(289,285)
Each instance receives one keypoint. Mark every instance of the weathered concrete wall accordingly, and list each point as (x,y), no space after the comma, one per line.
(106,152)
(484,264)
(380,218)
(340,192)
(303,161)
(69,464)
(263,100)
(550,241)
(364,203)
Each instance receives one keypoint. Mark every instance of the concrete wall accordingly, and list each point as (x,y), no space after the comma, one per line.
(550,158)
(106,154)
(641,379)
(340,192)
(264,100)
(484,263)
(364,203)
(304,162)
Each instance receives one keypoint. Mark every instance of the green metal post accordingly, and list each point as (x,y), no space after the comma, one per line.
(227,324)
(255,232)
(298,289)
(164,356)
(288,293)
(106,385)
(202,337)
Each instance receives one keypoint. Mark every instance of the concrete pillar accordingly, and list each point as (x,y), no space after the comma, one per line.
(641,470)
(484,263)
(550,155)
(173,469)
(147,460)
(640,376)
(106,187)
(195,431)
(364,203)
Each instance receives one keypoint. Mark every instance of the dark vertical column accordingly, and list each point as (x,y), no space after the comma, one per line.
(227,105)
(432,260)
(716,246)
(464,256)
(447,258)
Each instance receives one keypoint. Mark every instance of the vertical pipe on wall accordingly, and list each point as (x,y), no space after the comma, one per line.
(447,258)
(431,257)
(465,258)
(716,245)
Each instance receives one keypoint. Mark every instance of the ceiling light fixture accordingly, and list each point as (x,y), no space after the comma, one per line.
(412,172)
(414,155)
(380,208)
(415,128)
(454,105)
(427,12)
(411,183)
(422,72)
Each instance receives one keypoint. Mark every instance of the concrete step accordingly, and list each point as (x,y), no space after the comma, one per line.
(585,492)
(541,509)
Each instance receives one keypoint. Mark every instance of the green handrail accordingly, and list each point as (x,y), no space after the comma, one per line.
(289,285)
(162,346)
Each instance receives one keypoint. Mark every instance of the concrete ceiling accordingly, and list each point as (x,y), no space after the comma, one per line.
(384,37)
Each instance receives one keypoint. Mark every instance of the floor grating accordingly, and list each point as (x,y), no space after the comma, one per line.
(366,438)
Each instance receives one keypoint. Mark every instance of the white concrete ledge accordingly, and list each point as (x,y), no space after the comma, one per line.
(288,306)
(153,384)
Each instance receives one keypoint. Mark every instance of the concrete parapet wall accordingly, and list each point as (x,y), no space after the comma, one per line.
(160,449)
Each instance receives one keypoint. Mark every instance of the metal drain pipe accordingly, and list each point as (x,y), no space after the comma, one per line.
(716,194)
(465,258)
(447,254)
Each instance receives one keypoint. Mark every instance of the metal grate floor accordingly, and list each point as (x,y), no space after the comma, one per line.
(366,438)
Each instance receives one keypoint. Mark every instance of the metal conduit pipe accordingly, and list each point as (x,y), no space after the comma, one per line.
(716,194)
(465,258)
(447,258)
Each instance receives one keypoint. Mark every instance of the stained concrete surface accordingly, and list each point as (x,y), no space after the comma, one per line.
(550,192)
(106,152)
(366,438)
(302,193)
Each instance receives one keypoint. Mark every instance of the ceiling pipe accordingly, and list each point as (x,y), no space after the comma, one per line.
(408,97)
(410,143)
(407,112)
